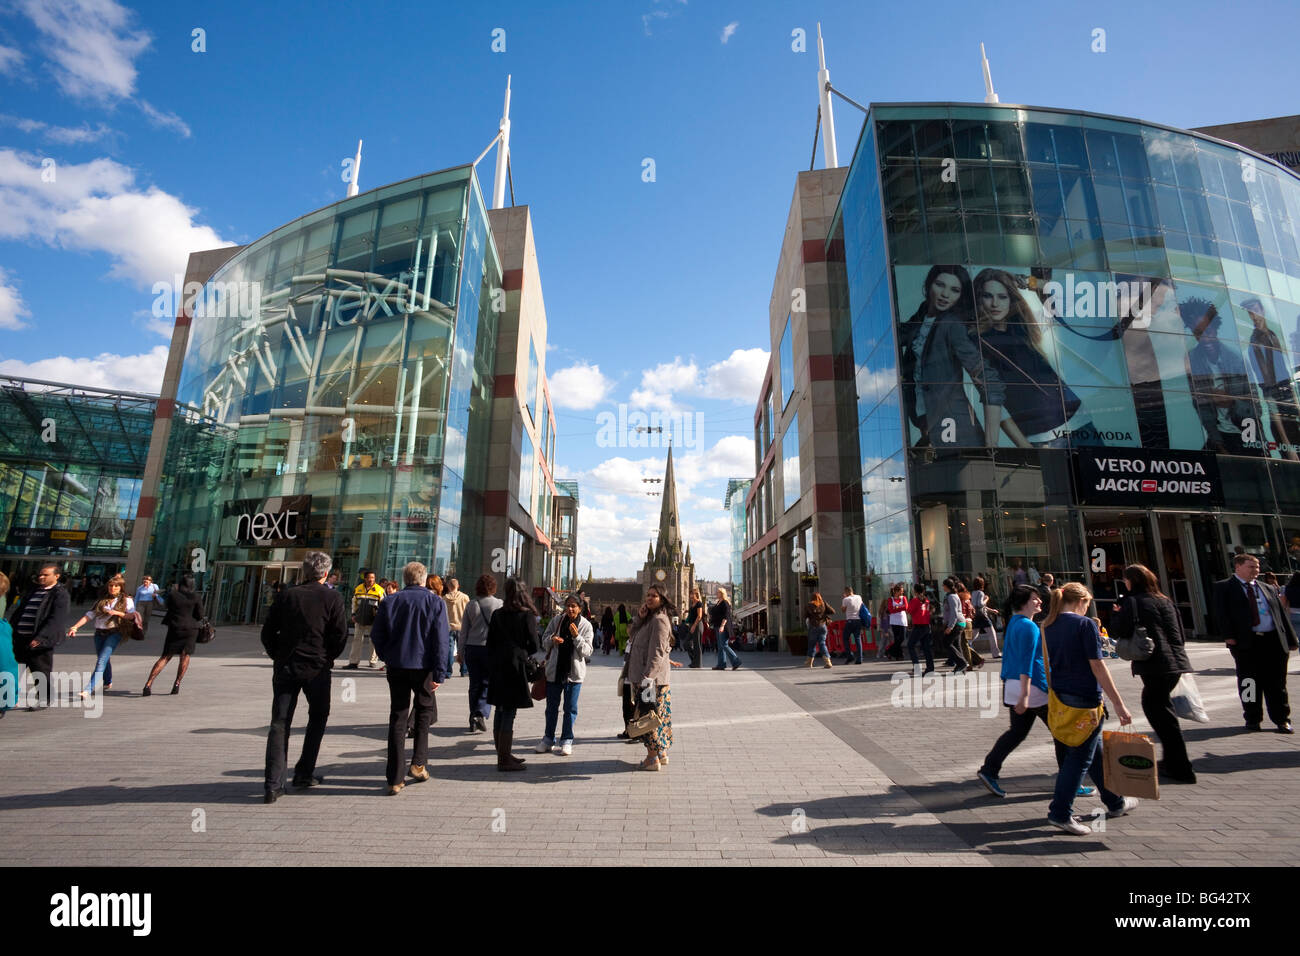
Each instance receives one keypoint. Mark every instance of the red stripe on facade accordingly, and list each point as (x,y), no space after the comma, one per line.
(821,368)
(814,250)
(146,507)
(758,546)
(495,503)
(827,497)
(512,280)
(182,320)
(504,387)
(165,408)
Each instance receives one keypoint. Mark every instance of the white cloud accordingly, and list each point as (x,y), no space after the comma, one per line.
(647,18)
(10,57)
(164,119)
(729,30)
(12,308)
(736,378)
(96,207)
(90,45)
(579,386)
(68,135)
(739,376)
(131,373)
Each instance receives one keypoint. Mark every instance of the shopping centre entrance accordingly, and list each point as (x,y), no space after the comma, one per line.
(244,590)
(1184,549)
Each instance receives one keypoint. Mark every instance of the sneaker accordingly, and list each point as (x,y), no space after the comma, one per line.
(418,772)
(1085,791)
(352,667)
(736,666)
(1072,826)
(555,749)
(1130,803)
(543,745)
(566,748)
(991,784)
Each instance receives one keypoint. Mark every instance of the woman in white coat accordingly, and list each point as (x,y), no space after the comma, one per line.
(567,644)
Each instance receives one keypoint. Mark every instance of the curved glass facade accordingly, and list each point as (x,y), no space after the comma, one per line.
(339,368)
(1078,337)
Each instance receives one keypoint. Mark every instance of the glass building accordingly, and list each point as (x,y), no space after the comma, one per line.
(1075,340)
(71,461)
(337,370)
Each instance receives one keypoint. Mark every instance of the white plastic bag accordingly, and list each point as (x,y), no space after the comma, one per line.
(1187,700)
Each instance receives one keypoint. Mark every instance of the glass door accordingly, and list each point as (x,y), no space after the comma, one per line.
(1114,540)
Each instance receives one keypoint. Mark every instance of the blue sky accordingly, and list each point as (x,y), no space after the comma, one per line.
(656,292)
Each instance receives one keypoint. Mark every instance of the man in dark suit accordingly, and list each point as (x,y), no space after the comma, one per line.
(305,630)
(1259,635)
(411,637)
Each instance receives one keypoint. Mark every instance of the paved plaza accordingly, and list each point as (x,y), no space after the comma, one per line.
(773,764)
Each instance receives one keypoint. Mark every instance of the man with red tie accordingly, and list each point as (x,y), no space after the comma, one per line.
(1259,635)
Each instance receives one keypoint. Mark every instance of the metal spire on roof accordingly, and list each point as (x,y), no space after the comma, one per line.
(824,98)
(353,188)
(989,95)
(503,154)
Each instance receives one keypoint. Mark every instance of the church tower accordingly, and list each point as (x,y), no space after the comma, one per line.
(668,561)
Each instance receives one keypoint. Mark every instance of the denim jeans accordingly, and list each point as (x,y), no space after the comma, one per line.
(105,643)
(452,637)
(1014,736)
(817,641)
(1075,762)
(922,636)
(853,640)
(725,653)
(476,656)
(569,690)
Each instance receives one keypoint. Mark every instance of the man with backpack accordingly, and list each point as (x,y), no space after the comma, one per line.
(365,606)
(854,625)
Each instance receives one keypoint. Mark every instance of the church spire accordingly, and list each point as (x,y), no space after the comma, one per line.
(669,537)
(650,552)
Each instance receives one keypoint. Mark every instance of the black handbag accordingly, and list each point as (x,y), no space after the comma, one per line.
(1138,646)
(206,631)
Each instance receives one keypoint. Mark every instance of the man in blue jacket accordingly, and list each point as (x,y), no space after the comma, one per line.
(411,638)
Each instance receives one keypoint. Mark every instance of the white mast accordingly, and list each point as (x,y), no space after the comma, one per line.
(824,98)
(356,172)
(503,154)
(989,95)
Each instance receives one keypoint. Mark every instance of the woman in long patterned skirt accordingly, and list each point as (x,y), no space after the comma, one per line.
(648,670)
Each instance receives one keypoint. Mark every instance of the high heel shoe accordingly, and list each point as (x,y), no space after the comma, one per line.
(176,687)
(147,692)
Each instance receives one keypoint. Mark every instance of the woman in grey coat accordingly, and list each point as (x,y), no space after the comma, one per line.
(1160,672)
(648,669)
(567,645)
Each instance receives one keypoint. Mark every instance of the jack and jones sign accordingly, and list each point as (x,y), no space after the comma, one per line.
(271,522)
(1147,479)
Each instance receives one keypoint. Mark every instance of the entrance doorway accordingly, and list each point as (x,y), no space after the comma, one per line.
(244,590)
(1182,549)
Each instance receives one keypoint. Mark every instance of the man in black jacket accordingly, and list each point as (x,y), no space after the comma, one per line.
(305,630)
(1259,635)
(40,624)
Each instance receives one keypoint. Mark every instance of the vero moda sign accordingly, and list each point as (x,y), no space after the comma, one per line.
(1147,479)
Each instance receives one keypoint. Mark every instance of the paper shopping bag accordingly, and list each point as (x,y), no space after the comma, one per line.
(1130,764)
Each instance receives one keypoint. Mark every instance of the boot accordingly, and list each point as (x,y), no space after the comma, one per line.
(828,663)
(505,762)
(810,660)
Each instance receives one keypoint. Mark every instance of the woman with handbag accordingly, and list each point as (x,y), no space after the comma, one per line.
(568,643)
(648,671)
(107,615)
(1076,677)
(511,641)
(985,612)
(816,614)
(182,620)
(1147,607)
